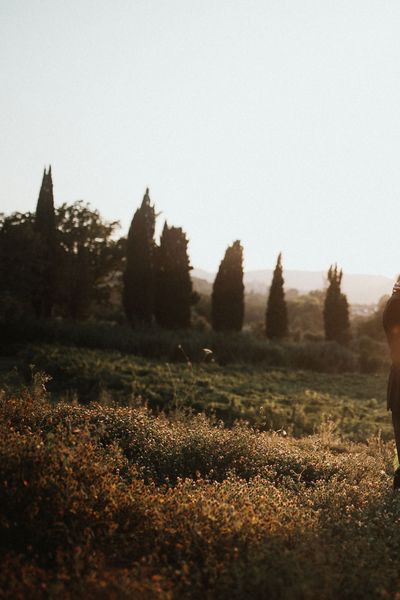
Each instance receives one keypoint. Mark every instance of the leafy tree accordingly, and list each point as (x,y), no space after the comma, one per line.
(138,279)
(305,314)
(87,255)
(227,299)
(372,324)
(336,309)
(20,267)
(45,228)
(276,319)
(174,291)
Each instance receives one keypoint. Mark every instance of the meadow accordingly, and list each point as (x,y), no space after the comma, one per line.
(267,397)
(122,476)
(107,502)
(363,354)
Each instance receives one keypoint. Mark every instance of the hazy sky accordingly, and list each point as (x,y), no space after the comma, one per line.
(273,121)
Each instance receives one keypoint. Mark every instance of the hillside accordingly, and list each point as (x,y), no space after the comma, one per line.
(103,502)
(113,484)
(267,397)
(360,289)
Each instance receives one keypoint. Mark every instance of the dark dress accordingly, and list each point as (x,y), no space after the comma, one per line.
(391,325)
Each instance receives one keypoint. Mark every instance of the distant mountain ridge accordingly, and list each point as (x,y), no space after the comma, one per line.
(360,289)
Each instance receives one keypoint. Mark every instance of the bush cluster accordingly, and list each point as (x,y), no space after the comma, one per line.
(364,355)
(266,397)
(105,502)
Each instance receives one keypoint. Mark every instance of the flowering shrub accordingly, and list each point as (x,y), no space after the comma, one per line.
(110,502)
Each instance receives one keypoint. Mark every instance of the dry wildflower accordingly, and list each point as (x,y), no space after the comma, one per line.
(118,502)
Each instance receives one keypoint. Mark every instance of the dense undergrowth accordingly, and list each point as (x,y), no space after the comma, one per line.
(108,502)
(364,354)
(268,398)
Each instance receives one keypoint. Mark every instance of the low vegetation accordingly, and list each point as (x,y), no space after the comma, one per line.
(296,401)
(112,502)
(124,476)
(364,354)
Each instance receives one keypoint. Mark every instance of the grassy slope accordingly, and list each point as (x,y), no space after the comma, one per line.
(298,401)
(105,501)
(113,502)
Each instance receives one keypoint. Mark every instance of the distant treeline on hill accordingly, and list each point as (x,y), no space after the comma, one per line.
(360,289)
(65,262)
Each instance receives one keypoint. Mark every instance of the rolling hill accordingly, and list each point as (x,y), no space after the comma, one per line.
(360,289)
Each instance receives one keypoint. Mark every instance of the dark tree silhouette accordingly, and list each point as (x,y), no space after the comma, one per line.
(138,279)
(87,255)
(336,309)
(45,227)
(20,268)
(227,299)
(276,319)
(45,222)
(174,291)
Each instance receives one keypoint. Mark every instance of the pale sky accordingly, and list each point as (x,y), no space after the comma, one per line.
(276,122)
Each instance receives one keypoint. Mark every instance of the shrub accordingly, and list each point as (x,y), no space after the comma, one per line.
(103,502)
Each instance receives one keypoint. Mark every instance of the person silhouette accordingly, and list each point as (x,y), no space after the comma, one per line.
(391,325)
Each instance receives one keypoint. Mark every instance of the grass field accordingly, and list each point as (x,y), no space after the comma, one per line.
(104,502)
(111,486)
(269,398)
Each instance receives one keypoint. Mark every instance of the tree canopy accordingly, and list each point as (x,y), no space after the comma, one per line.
(87,254)
(174,291)
(45,227)
(227,300)
(336,309)
(138,279)
(276,318)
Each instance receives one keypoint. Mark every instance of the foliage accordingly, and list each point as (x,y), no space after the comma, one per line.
(83,251)
(88,253)
(372,355)
(45,227)
(254,312)
(227,300)
(174,291)
(305,314)
(276,318)
(267,397)
(138,293)
(20,267)
(227,348)
(336,309)
(105,502)
(371,326)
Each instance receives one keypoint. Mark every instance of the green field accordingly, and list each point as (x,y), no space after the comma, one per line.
(113,485)
(266,397)
(104,502)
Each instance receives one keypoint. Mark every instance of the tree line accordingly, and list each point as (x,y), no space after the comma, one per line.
(62,258)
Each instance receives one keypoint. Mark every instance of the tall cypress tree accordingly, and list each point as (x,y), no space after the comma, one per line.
(227,299)
(45,217)
(336,309)
(138,279)
(276,319)
(174,291)
(45,227)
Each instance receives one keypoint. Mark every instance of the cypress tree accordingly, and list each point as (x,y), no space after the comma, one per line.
(45,217)
(138,278)
(276,320)
(174,291)
(336,309)
(45,227)
(227,299)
